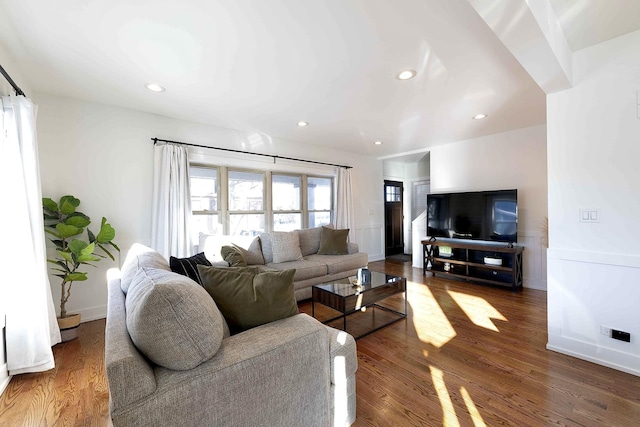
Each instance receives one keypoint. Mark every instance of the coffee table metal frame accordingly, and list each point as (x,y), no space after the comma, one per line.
(342,296)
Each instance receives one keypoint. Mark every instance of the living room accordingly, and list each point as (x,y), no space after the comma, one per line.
(575,152)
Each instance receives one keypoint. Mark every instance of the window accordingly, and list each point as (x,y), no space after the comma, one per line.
(319,200)
(287,211)
(232,201)
(246,203)
(204,200)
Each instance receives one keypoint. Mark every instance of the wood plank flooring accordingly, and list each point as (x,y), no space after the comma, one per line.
(466,355)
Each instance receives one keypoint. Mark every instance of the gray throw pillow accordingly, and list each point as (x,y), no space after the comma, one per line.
(248,299)
(285,246)
(172,320)
(333,242)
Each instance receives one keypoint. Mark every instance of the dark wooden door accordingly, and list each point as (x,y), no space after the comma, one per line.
(393,218)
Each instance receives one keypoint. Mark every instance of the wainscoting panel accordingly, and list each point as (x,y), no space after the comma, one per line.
(370,240)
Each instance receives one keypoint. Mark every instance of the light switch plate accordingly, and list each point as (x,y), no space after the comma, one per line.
(590,215)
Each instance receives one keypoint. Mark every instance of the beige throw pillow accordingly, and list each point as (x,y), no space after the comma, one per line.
(286,246)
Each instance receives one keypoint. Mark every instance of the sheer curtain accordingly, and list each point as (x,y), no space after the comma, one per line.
(171,201)
(31,326)
(344,205)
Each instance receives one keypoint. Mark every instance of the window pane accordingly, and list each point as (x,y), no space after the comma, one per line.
(206,224)
(319,197)
(204,188)
(246,191)
(287,221)
(316,219)
(286,192)
(246,224)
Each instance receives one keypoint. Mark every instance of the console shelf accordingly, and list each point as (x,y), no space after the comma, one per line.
(467,261)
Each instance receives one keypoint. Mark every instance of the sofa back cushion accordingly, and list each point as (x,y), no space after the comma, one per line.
(172,320)
(310,240)
(140,256)
(248,299)
(285,246)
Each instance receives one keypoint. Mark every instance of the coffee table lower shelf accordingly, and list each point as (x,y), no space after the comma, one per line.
(369,309)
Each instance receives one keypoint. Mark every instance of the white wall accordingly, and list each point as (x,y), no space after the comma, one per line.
(104,156)
(516,159)
(593,151)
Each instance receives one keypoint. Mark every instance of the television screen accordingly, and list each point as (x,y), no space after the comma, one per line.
(478,215)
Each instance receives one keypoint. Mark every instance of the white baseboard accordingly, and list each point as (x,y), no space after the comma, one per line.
(4,378)
(92,313)
(608,357)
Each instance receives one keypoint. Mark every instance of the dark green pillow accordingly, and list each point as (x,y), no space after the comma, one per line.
(233,256)
(333,242)
(247,299)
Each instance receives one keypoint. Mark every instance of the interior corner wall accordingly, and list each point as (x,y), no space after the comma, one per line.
(515,159)
(104,156)
(593,151)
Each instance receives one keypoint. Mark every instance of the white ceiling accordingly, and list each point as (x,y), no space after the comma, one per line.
(262,66)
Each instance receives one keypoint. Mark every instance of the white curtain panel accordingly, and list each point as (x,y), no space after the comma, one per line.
(170,234)
(31,326)
(344,202)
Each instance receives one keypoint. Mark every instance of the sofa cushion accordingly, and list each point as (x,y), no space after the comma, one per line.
(140,256)
(305,269)
(233,256)
(309,240)
(187,266)
(247,299)
(286,246)
(333,242)
(172,320)
(338,264)
(267,247)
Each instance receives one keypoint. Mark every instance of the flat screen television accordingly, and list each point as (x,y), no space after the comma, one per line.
(478,215)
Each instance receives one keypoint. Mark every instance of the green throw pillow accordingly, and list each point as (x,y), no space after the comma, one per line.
(333,242)
(247,299)
(233,256)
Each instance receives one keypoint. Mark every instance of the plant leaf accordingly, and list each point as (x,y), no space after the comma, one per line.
(65,255)
(49,204)
(78,247)
(50,231)
(106,252)
(107,232)
(92,237)
(79,221)
(76,277)
(65,230)
(85,258)
(68,204)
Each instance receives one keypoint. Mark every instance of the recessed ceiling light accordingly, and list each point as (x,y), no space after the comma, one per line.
(479,116)
(303,124)
(377,143)
(153,87)
(406,74)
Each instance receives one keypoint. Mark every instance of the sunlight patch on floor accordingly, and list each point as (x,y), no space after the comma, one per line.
(449,418)
(432,326)
(478,310)
(471,407)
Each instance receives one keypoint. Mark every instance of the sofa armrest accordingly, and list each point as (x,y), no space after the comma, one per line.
(130,376)
(274,374)
(352,248)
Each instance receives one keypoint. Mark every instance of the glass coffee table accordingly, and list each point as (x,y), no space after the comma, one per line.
(350,300)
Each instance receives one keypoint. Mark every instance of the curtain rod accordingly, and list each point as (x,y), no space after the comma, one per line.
(273,156)
(11,82)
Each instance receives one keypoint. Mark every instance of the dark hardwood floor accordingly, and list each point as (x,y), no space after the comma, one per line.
(466,355)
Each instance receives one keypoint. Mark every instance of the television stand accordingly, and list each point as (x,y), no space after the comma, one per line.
(492,264)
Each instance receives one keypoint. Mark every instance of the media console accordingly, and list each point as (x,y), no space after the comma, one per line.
(474,262)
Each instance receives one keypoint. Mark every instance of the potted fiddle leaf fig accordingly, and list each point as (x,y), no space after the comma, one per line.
(66,227)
